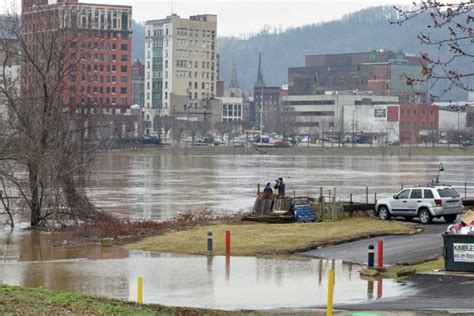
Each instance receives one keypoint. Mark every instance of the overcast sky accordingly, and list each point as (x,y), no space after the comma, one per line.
(244,16)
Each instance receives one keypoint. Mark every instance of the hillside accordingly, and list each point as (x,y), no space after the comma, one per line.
(361,31)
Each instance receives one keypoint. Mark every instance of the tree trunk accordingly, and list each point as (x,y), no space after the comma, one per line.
(35,198)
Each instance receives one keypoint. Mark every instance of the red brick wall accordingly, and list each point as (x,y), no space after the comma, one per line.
(416,119)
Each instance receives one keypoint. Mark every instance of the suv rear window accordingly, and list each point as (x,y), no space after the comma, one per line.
(448,192)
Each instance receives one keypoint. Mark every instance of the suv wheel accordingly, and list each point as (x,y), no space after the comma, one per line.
(384,214)
(425,216)
(450,218)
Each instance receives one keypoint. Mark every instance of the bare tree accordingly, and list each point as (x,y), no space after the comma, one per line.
(178,129)
(450,32)
(229,129)
(285,123)
(46,135)
(167,123)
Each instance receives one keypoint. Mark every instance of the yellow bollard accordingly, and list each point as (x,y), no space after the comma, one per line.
(140,291)
(330,292)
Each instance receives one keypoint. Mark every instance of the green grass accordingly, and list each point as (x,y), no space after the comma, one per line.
(16,300)
(269,239)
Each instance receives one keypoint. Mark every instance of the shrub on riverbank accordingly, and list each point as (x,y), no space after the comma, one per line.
(132,229)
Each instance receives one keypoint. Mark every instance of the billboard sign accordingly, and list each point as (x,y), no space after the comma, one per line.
(380,113)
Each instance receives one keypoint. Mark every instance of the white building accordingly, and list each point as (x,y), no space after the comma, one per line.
(231,109)
(345,114)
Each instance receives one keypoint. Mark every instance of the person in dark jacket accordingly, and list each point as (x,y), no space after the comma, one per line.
(268,188)
(281,187)
(267,191)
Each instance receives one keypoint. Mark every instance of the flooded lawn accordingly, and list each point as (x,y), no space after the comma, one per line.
(159,187)
(196,281)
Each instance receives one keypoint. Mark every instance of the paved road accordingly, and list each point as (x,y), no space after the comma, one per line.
(397,249)
(434,293)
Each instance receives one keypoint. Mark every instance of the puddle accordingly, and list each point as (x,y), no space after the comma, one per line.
(179,280)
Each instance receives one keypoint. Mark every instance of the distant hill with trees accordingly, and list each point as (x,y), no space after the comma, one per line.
(361,31)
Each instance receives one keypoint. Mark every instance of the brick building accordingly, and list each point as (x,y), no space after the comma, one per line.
(138,83)
(383,72)
(418,123)
(99,53)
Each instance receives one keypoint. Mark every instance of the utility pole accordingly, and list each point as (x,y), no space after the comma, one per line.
(261,116)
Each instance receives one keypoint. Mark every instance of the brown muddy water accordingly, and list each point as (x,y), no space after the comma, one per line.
(28,259)
(158,187)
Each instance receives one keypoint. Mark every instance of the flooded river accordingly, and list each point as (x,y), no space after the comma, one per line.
(27,259)
(158,187)
(144,186)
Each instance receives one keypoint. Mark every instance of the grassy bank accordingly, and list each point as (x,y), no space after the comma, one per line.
(269,239)
(16,300)
(327,150)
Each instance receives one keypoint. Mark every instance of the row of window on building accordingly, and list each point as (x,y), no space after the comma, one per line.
(189,64)
(98,19)
(195,32)
(194,54)
(97,101)
(195,43)
(94,89)
(97,78)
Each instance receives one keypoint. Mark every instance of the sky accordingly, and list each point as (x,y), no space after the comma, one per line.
(244,17)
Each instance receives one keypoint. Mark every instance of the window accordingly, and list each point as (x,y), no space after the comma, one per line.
(123,90)
(123,79)
(404,194)
(123,68)
(428,194)
(448,192)
(124,47)
(415,194)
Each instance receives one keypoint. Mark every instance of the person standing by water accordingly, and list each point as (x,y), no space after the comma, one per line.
(281,187)
(277,187)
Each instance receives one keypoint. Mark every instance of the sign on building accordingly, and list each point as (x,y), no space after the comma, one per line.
(380,113)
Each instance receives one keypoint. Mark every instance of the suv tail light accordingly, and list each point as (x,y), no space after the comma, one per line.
(438,202)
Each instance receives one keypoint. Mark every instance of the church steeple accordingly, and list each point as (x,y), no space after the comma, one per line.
(260,82)
(234,89)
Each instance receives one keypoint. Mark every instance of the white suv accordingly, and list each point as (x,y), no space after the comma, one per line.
(423,202)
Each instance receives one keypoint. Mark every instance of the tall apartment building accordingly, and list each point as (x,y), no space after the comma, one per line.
(180,65)
(138,83)
(100,55)
(382,72)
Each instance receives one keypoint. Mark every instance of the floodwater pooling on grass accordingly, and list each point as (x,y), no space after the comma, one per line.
(198,281)
(158,187)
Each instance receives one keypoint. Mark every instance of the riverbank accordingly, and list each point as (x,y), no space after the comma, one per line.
(316,150)
(16,300)
(252,239)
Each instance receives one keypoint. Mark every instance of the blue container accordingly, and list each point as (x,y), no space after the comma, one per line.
(302,211)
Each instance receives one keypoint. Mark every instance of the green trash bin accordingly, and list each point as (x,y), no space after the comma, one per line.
(458,252)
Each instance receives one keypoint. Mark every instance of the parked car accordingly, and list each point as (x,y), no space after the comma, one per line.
(467,143)
(443,141)
(393,143)
(425,203)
